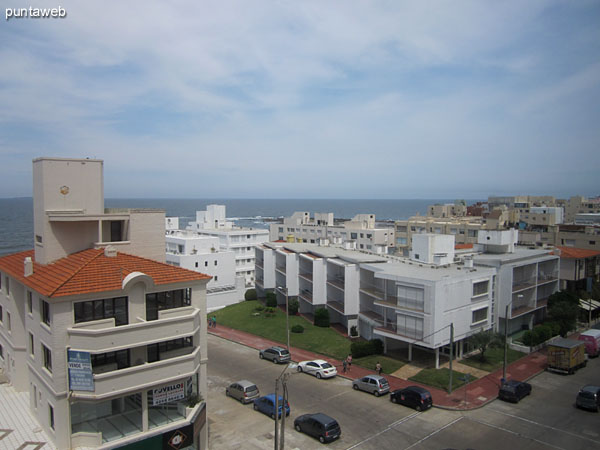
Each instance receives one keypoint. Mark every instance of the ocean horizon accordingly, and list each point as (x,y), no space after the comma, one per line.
(16,214)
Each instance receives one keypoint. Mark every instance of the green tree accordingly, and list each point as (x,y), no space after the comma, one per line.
(484,340)
(563,307)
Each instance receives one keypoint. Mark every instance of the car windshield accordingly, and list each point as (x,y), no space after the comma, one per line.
(251,389)
(326,365)
(285,352)
(331,426)
(586,394)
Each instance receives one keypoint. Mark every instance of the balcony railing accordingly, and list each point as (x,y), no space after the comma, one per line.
(99,336)
(546,277)
(337,305)
(280,268)
(338,282)
(372,291)
(541,302)
(306,275)
(259,263)
(391,327)
(519,285)
(306,295)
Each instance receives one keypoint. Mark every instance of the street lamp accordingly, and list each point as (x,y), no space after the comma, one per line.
(287,315)
(506,336)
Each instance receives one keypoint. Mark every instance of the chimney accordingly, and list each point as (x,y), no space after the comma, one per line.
(28,263)
(468,262)
(110,251)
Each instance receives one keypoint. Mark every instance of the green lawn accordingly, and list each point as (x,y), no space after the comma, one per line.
(440,378)
(244,316)
(494,359)
(388,365)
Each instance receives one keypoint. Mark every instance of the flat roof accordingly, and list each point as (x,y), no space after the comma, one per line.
(354,256)
(520,254)
(428,272)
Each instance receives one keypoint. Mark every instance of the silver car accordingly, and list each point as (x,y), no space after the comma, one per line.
(245,391)
(375,384)
(275,354)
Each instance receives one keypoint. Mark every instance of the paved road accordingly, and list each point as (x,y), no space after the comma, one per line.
(545,420)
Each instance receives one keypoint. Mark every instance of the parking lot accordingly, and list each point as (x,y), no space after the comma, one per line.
(545,420)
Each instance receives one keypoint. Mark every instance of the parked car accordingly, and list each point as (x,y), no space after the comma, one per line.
(319,368)
(245,391)
(513,391)
(591,339)
(413,397)
(266,405)
(275,354)
(375,384)
(319,425)
(588,398)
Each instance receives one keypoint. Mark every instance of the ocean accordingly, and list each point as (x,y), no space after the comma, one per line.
(16,214)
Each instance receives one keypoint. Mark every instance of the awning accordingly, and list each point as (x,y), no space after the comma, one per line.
(585,304)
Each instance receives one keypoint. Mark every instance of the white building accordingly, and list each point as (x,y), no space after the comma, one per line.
(361,231)
(110,346)
(201,253)
(241,241)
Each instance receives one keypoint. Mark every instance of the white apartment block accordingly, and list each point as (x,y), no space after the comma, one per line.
(457,209)
(240,241)
(525,278)
(361,231)
(201,253)
(406,303)
(110,346)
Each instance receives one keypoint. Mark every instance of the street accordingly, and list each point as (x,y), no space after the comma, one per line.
(546,419)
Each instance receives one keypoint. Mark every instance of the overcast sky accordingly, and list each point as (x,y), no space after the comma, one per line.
(307,99)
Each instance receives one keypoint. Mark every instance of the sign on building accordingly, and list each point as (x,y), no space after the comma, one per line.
(169,393)
(81,377)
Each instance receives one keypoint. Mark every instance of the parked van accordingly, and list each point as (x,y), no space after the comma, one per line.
(591,338)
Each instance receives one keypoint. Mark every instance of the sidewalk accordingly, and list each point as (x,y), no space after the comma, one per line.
(478,393)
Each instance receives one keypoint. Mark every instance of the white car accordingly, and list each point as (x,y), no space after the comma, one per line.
(319,368)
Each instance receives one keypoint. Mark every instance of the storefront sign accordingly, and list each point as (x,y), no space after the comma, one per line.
(81,377)
(169,393)
(179,438)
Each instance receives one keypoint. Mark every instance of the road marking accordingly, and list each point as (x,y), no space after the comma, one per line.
(542,425)
(515,433)
(389,427)
(436,432)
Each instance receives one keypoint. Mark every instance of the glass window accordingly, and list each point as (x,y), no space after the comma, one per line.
(31,345)
(480,288)
(166,300)
(480,315)
(102,309)
(30,302)
(160,350)
(45,312)
(47,358)
(51,416)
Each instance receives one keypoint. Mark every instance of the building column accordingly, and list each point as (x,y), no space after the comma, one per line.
(144,411)
(461,348)
(409,352)
(437,358)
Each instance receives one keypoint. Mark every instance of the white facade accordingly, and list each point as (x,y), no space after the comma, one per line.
(142,322)
(241,241)
(361,230)
(433,248)
(201,253)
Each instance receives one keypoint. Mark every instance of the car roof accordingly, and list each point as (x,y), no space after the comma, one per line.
(323,418)
(418,389)
(272,397)
(591,388)
(245,383)
(318,361)
(375,377)
(276,347)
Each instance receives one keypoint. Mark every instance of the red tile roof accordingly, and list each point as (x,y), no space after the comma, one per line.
(90,271)
(577,253)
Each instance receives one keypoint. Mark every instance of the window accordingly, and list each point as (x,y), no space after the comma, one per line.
(215,262)
(592,242)
(158,301)
(410,326)
(45,312)
(38,239)
(1,352)
(51,416)
(479,315)
(30,302)
(47,358)
(369,235)
(7,285)
(362,235)
(205,263)
(8,324)
(401,241)
(411,298)
(480,288)
(196,263)
(0,313)
(31,345)
(103,309)
(119,360)
(216,278)
(155,351)
(353,235)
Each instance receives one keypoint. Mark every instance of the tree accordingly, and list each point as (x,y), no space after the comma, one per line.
(484,340)
(322,317)
(563,308)
(271,300)
(293,306)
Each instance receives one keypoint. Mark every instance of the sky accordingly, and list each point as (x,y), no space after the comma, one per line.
(306,99)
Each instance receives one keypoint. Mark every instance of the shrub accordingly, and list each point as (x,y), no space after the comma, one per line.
(555,327)
(527,338)
(293,306)
(366,348)
(271,300)
(322,317)
(259,308)
(353,331)
(297,329)
(250,294)
(269,312)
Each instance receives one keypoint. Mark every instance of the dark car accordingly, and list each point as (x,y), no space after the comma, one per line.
(319,426)
(413,397)
(275,354)
(266,405)
(513,391)
(589,398)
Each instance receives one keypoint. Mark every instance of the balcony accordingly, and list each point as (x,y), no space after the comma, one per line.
(547,277)
(259,263)
(336,305)
(372,316)
(103,336)
(306,275)
(338,282)
(306,295)
(541,302)
(280,268)
(519,285)
(372,291)
(520,310)
(137,378)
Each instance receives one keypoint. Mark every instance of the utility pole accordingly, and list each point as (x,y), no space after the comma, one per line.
(287,318)
(505,342)
(276,441)
(451,356)
(283,411)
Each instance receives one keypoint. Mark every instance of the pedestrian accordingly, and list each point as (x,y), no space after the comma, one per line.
(214,321)
(209,320)
(344,365)
(378,368)
(349,359)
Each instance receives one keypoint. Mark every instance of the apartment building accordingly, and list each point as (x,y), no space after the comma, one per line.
(408,303)
(464,229)
(579,205)
(110,346)
(201,253)
(525,278)
(579,268)
(566,235)
(241,241)
(361,231)
(456,209)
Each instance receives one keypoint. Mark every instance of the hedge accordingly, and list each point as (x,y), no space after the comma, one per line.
(271,300)
(366,348)
(297,329)
(250,294)
(322,317)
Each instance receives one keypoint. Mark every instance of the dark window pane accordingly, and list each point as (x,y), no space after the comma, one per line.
(98,309)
